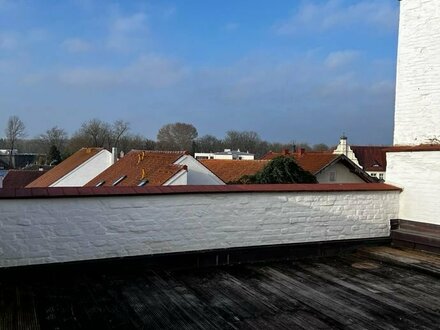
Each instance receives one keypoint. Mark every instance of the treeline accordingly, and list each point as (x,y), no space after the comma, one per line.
(56,144)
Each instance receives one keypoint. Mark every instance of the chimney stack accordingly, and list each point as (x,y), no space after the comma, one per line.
(114,155)
(301,151)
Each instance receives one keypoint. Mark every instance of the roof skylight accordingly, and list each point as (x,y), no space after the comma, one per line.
(119,180)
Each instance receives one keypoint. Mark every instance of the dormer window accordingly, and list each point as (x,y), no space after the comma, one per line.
(119,180)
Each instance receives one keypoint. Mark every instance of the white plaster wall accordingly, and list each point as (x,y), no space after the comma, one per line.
(35,231)
(224,157)
(180,179)
(343,175)
(418,173)
(198,174)
(87,171)
(417,112)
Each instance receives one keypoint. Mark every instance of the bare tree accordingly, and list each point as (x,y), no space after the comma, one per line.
(209,143)
(14,130)
(177,136)
(245,140)
(54,136)
(95,132)
(118,130)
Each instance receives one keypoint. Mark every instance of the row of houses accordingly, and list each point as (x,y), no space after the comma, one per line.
(98,167)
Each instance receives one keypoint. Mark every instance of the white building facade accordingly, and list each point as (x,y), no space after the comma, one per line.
(416,168)
(227,154)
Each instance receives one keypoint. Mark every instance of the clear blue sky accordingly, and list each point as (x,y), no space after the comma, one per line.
(290,70)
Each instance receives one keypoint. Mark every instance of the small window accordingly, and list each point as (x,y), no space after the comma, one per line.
(332,176)
(381,176)
(373,174)
(100,183)
(142,182)
(119,180)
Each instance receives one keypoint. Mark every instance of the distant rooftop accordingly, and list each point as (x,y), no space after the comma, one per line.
(155,167)
(226,154)
(20,178)
(231,171)
(65,167)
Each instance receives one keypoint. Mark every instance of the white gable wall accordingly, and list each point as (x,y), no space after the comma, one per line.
(341,174)
(86,171)
(180,179)
(197,173)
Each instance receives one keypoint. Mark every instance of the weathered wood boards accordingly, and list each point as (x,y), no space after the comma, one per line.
(353,291)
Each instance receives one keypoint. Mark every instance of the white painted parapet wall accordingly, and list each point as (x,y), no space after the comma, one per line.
(155,220)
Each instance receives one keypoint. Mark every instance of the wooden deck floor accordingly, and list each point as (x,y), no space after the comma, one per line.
(353,292)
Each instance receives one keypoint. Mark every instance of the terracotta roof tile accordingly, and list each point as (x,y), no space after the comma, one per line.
(232,170)
(155,166)
(64,167)
(312,162)
(371,158)
(20,178)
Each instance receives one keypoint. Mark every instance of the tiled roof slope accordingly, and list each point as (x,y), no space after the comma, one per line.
(313,162)
(155,166)
(231,171)
(65,167)
(371,158)
(20,178)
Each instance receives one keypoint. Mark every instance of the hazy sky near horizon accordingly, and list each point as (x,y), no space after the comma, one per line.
(290,70)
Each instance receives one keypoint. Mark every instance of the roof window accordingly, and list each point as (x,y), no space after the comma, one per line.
(119,180)
(143,182)
(100,183)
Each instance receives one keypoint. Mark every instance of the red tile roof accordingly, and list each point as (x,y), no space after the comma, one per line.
(371,158)
(20,178)
(155,166)
(64,167)
(314,162)
(231,171)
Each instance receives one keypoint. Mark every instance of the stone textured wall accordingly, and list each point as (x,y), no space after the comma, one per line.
(419,175)
(47,230)
(417,114)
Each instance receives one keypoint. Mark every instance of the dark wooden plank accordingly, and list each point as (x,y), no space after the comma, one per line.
(381,301)
(25,309)
(147,303)
(398,279)
(320,302)
(205,315)
(325,293)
